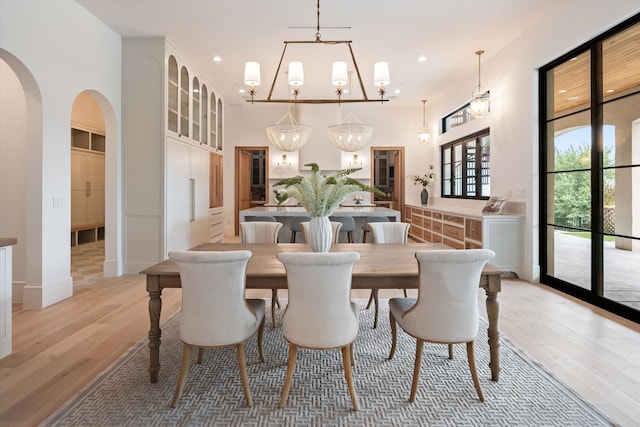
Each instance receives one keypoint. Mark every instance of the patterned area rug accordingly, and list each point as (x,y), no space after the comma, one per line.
(526,395)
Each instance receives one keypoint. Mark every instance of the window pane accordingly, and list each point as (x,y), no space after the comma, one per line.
(620,59)
(569,203)
(569,143)
(569,256)
(457,170)
(621,135)
(569,86)
(621,271)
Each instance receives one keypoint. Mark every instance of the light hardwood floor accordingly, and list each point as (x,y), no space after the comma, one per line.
(58,350)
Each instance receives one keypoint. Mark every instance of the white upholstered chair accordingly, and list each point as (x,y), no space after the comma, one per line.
(215,312)
(335,230)
(384,233)
(256,232)
(446,310)
(320,314)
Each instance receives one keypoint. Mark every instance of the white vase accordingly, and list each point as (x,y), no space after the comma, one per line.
(320,234)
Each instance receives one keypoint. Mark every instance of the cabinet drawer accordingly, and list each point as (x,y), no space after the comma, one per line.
(436,238)
(436,227)
(416,220)
(437,215)
(472,245)
(454,218)
(453,243)
(426,213)
(473,230)
(453,231)
(426,223)
(427,237)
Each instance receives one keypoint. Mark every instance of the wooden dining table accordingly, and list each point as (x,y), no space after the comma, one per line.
(388,266)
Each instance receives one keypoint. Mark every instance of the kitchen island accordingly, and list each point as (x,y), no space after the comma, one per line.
(284,214)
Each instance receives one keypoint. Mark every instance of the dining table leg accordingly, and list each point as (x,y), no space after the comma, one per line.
(155,307)
(493,312)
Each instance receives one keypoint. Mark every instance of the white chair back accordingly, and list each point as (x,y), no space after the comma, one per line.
(389,232)
(447,305)
(319,314)
(259,232)
(335,230)
(214,311)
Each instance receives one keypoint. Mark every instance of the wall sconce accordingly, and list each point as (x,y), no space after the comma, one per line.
(283,163)
(423,135)
(479,104)
(356,162)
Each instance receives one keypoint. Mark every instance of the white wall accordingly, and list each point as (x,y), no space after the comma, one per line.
(67,51)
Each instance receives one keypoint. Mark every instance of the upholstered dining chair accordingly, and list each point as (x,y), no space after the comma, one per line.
(446,310)
(367,221)
(320,314)
(348,226)
(296,227)
(335,230)
(215,312)
(255,232)
(384,233)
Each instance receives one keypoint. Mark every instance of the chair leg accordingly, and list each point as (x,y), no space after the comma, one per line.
(364,236)
(260,336)
(472,368)
(350,236)
(274,302)
(242,365)
(405,293)
(394,328)
(200,354)
(346,359)
(353,357)
(293,237)
(450,351)
(377,306)
(370,300)
(186,359)
(416,370)
(290,368)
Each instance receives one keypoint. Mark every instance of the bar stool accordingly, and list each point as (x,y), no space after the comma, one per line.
(365,228)
(348,225)
(296,227)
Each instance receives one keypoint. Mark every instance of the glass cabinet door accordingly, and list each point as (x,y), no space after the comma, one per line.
(213,122)
(184,101)
(219,132)
(172,95)
(205,111)
(195,103)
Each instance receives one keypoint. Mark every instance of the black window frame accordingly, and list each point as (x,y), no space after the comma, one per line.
(467,178)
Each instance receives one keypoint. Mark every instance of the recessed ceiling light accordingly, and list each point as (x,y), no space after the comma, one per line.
(562,91)
(345,90)
(396,91)
(241,91)
(216,58)
(573,98)
(422,58)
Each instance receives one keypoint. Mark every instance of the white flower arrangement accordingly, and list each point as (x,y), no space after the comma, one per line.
(424,180)
(321,195)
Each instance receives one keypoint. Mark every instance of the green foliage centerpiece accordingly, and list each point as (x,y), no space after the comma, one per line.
(321,195)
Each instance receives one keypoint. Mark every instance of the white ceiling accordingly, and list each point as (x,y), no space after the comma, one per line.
(447,32)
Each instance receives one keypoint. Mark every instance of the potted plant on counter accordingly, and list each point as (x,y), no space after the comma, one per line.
(321,195)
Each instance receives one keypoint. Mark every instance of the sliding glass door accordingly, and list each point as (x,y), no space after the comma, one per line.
(590,171)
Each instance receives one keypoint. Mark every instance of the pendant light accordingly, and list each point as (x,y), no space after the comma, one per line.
(288,136)
(479,104)
(423,135)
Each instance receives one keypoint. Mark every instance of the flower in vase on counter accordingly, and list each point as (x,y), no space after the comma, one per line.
(424,180)
(320,194)
(281,196)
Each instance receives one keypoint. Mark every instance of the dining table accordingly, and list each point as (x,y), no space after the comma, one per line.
(381,266)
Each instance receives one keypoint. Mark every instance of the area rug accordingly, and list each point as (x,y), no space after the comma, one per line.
(526,395)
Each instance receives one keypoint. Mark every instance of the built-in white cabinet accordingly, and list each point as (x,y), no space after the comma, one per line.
(461,230)
(172,123)
(5,295)
(187,195)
